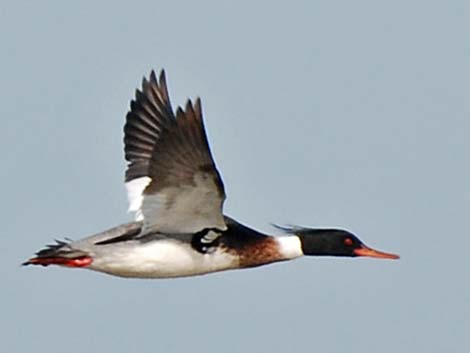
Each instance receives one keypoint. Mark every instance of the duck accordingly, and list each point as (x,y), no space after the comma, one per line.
(177,195)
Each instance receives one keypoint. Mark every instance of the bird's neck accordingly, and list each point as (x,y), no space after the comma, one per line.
(290,247)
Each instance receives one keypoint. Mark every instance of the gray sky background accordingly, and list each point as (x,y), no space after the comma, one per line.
(320,113)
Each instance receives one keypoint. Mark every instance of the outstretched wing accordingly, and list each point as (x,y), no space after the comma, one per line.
(172,182)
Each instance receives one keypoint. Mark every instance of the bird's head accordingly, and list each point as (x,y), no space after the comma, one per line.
(334,242)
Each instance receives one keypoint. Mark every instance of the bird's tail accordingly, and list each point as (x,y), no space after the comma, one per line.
(60,254)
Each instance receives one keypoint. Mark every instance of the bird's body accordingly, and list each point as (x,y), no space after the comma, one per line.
(124,251)
(177,193)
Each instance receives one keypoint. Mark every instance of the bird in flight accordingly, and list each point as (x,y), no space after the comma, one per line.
(177,194)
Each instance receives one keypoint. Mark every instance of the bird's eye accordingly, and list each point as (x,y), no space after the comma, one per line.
(348,241)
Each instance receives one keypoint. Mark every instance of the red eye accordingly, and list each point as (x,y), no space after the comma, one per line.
(348,241)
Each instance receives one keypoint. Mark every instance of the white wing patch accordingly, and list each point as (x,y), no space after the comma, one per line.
(135,189)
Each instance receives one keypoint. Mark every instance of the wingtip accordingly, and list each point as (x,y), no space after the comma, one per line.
(152,76)
(158,84)
(162,77)
(179,112)
(189,105)
(198,105)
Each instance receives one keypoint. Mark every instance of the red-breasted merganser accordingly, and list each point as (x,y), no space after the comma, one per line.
(177,194)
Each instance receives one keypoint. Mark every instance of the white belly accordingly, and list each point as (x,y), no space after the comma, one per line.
(160,259)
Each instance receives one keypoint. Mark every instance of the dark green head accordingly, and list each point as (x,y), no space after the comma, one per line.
(334,242)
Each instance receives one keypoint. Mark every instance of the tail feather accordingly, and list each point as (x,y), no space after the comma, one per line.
(60,254)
